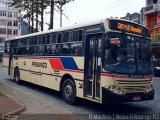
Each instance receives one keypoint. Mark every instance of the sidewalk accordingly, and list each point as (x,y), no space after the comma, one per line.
(9,106)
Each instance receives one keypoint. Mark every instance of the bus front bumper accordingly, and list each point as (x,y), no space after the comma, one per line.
(109,97)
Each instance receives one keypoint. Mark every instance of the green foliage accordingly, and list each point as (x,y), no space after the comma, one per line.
(1,94)
(31,8)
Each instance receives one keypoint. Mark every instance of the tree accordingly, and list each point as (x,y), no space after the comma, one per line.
(53,4)
(52,14)
(32,9)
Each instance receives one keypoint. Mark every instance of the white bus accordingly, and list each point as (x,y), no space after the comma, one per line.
(104,61)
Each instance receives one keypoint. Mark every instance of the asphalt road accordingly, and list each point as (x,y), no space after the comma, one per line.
(40,100)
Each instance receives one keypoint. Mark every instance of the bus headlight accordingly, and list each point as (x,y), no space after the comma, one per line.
(116,89)
(149,88)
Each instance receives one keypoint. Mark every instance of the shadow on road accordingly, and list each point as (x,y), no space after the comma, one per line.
(125,108)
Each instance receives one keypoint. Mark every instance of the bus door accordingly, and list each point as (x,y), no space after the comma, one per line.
(10,59)
(93,66)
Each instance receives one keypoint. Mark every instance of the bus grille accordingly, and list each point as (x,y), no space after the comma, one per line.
(134,86)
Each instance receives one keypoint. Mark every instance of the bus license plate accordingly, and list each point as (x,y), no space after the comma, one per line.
(136,98)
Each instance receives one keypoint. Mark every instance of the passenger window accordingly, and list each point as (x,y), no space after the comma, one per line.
(66,37)
(76,48)
(54,38)
(7,46)
(35,40)
(41,40)
(59,38)
(30,41)
(41,50)
(48,39)
(65,49)
(77,35)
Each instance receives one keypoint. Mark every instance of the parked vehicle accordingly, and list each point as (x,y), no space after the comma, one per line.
(156,67)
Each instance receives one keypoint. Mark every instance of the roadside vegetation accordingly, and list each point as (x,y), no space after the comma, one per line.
(1,94)
(32,12)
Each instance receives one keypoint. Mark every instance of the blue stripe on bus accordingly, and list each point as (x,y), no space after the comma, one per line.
(69,63)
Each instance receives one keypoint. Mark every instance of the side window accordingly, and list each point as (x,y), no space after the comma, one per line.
(30,41)
(35,50)
(41,40)
(76,48)
(7,46)
(19,47)
(54,38)
(48,39)
(53,49)
(70,45)
(77,35)
(24,47)
(66,48)
(34,40)
(71,36)
(66,37)
(59,38)
(41,50)
(30,45)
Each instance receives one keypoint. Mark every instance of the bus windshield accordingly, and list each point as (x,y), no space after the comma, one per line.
(127,54)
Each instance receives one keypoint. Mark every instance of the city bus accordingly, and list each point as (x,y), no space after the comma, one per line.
(105,61)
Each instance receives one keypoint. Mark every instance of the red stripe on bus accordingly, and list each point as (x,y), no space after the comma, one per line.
(56,64)
(77,71)
(117,76)
(148,76)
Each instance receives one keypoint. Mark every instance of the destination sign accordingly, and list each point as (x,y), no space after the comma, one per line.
(129,28)
(125,26)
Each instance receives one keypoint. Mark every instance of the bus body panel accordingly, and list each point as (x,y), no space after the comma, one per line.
(49,70)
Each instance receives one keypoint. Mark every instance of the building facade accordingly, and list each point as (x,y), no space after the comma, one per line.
(135,17)
(152,20)
(9,25)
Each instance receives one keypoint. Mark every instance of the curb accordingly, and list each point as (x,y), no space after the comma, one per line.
(18,111)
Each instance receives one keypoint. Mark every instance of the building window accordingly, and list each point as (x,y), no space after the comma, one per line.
(9,22)
(9,14)
(2,40)
(154,1)
(16,14)
(15,32)
(3,13)
(15,23)
(2,22)
(155,22)
(2,31)
(9,31)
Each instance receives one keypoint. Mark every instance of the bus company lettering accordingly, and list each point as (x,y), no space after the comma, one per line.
(39,64)
(129,28)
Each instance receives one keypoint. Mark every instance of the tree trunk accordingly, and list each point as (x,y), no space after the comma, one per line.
(42,7)
(29,25)
(37,15)
(52,15)
(32,18)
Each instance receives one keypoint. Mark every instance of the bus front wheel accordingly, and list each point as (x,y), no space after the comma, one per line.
(17,76)
(69,91)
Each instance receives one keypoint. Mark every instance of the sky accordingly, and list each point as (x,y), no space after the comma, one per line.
(82,10)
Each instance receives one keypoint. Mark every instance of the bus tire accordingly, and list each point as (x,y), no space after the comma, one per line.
(17,76)
(69,91)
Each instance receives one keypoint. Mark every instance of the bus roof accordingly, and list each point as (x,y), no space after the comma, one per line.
(70,27)
(74,26)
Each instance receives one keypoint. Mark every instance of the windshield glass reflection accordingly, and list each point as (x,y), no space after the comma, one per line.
(127,54)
